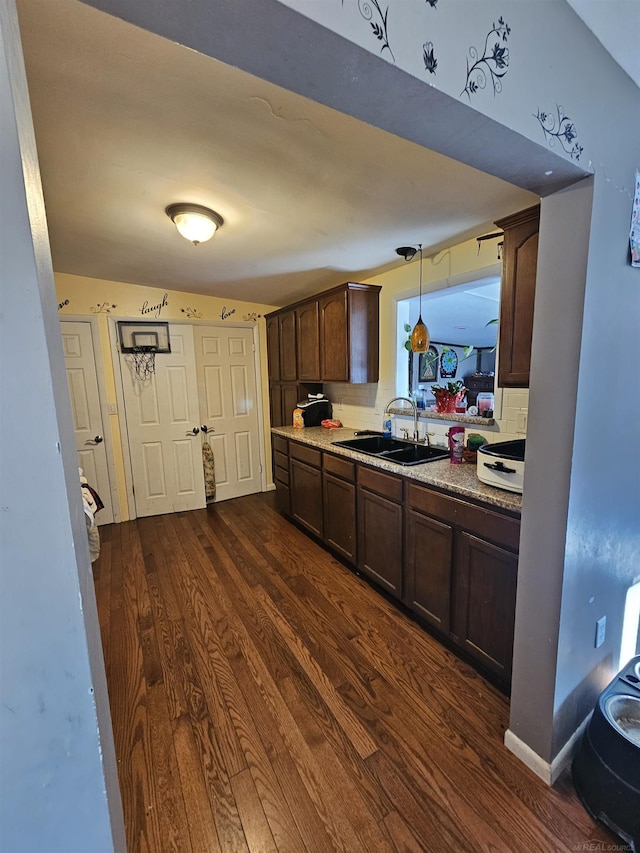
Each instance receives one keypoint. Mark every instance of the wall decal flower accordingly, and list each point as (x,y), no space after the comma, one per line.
(192,314)
(492,65)
(252,317)
(103,308)
(430,61)
(370,9)
(562,128)
(63,304)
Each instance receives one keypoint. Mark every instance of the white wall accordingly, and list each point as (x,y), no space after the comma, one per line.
(58,780)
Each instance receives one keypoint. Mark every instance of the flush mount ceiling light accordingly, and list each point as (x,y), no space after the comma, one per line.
(420,335)
(195,222)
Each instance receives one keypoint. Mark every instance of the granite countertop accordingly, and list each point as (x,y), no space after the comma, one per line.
(457,479)
(456,417)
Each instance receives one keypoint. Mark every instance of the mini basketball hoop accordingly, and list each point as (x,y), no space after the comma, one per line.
(140,342)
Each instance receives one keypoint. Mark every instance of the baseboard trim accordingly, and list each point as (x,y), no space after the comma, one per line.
(546,771)
(271,487)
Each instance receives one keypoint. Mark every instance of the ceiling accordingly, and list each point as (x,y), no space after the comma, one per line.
(127,122)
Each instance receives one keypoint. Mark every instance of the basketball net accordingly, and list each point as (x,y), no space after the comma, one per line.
(142,362)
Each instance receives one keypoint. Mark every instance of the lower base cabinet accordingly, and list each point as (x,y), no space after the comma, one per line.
(339,503)
(428,565)
(380,528)
(305,482)
(485,602)
(453,563)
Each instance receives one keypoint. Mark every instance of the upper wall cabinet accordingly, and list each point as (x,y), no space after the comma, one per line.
(335,336)
(287,343)
(308,342)
(520,258)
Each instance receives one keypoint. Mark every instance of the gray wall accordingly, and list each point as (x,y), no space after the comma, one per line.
(57,762)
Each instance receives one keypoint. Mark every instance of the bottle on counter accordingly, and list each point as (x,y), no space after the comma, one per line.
(298,420)
(456,444)
(386,426)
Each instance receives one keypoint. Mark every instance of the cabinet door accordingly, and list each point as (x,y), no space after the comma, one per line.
(306,495)
(289,403)
(484,610)
(380,540)
(428,569)
(273,348)
(275,404)
(340,516)
(287,333)
(517,297)
(334,338)
(308,342)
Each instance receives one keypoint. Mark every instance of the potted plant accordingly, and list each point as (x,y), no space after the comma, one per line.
(449,396)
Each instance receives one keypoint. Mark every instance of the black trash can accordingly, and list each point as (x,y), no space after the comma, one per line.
(606,766)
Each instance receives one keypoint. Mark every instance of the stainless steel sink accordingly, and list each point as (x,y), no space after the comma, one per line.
(394,449)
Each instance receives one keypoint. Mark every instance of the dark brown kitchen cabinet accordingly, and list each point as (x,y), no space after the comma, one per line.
(273,350)
(349,332)
(380,528)
(305,482)
(280,459)
(287,343)
(485,602)
(308,342)
(517,296)
(332,337)
(429,550)
(339,504)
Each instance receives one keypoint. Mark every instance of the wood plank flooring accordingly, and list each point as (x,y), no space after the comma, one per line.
(265,698)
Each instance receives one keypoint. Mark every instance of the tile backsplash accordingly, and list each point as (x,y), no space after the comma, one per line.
(361,407)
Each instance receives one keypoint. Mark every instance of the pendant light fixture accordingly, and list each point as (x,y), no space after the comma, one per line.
(195,222)
(420,334)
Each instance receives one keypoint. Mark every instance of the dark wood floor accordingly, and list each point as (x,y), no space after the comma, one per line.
(264,698)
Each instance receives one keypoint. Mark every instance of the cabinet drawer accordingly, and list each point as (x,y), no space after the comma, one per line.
(305,454)
(382,484)
(340,467)
(486,523)
(281,444)
(281,460)
(281,475)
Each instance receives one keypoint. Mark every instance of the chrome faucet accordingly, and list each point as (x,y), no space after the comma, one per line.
(415,413)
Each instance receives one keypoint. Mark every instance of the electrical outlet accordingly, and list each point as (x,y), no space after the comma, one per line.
(521,422)
(601,627)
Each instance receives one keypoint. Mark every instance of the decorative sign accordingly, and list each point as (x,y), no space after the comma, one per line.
(156,309)
(428,365)
(226,313)
(63,304)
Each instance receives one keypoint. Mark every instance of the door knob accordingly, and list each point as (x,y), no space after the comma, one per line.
(97,440)
(193,431)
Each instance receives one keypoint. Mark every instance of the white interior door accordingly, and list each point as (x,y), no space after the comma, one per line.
(80,363)
(227,392)
(161,413)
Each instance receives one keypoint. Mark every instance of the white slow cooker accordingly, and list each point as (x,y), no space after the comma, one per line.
(502,464)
